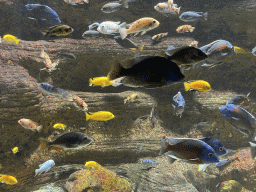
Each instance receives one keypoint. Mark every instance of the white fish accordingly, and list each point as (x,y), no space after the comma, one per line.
(110,27)
(254,51)
(45,167)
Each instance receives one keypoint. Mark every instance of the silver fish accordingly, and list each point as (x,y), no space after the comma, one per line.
(179,104)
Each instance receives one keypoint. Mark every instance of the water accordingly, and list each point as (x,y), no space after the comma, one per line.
(123,142)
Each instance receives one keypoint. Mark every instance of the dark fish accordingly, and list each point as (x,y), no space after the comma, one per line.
(239,99)
(127,43)
(146,71)
(240,119)
(69,140)
(216,145)
(90,33)
(191,150)
(42,13)
(52,90)
(185,55)
(57,30)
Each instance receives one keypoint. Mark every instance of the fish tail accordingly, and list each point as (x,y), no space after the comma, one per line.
(87,116)
(163,146)
(17,41)
(178,11)
(140,47)
(42,54)
(205,16)
(116,71)
(44,32)
(247,96)
(39,128)
(186,86)
(45,144)
(123,33)
(253,149)
(90,82)
(36,172)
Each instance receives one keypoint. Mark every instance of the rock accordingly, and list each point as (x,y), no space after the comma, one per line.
(232,185)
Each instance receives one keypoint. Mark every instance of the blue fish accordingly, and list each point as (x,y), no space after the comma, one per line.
(216,145)
(41,13)
(45,167)
(193,151)
(193,16)
(225,162)
(149,162)
(240,119)
(179,104)
(52,90)
(239,99)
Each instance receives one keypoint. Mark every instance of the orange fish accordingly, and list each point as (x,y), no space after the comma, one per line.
(80,103)
(10,180)
(49,66)
(167,8)
(141,25)
(159,36)
(29,124)
(185,28)
(198,85)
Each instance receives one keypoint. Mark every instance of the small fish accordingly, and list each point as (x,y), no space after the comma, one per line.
(57,30)
(69,140)
(240,119)
(15,150)
(216,145)
(225,162)
(132,97)
(114,6)
(90,33)
(59,126)
(109,27)
(8,179)
(49,66)
(253,149)
(239,99)
(79,103)
(45,167)
(167,9)
(185,28)
(240,50)
(191,150)
(254,51)
(127,43)
(11,38)
(193,16)
(149,162)
(29,124)
(100,116)
(100,81)
(141,25)
(52,90)
(41,13)
(179,104)
(159,36)
(92,165)
(205,126)
(74,2)
(198,85)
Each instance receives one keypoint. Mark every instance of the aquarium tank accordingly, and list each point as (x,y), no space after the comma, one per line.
(127,95)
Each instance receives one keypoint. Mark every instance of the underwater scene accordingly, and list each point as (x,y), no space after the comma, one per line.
(128,95)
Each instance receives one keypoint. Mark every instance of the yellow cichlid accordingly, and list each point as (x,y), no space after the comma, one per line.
(240,50)
(198,85)
(10,180)
(11,38)
(92,164)
(15,150)
(59,126)
(100,116)
(100,81)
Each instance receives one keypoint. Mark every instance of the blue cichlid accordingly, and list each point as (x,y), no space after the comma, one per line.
(149,162)
(45,167)
(179,104)
(41,13)
(52,90)
(240,119)
(190,16)
(216,145)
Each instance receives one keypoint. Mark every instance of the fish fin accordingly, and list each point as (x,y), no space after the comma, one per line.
(202,167)
(36,172)
(178,11)
(143,32)
(248,96)
(123,33)
(17,41)
(42,53)
(87,116)
(86,1)
(45,144)
(140,47)
(205,16)
(39,128)
(163,146)
(171,159)
(174,106)
(116,71)
(253,149)
(124,3)
(186,86)
(90,82)
(44,32)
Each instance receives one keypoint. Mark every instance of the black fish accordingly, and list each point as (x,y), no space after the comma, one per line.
(69,140)
(146,71)
(185,55)
(239,99)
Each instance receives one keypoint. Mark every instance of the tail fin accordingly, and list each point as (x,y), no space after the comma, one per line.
(36,172)
(123,33)
(42,54)
(248,96)
(253,149)
(90,82)
(44,144)
(205,16)
(39,128)
(44,32)
(17,41)
(186,86)
(116,71)
(178,11)
(87,116)
(140,47)
(163,146)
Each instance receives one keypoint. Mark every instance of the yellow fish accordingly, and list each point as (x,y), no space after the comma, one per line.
(59,126)
(100,116)
(11,38)
(100,81)
(198,85)
(10,180)
(240,50)
(91,164)
(15,150)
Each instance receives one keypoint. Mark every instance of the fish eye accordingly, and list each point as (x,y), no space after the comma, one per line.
(85,138)
(221,149)
(154,21)
(210,155)
(66,30)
